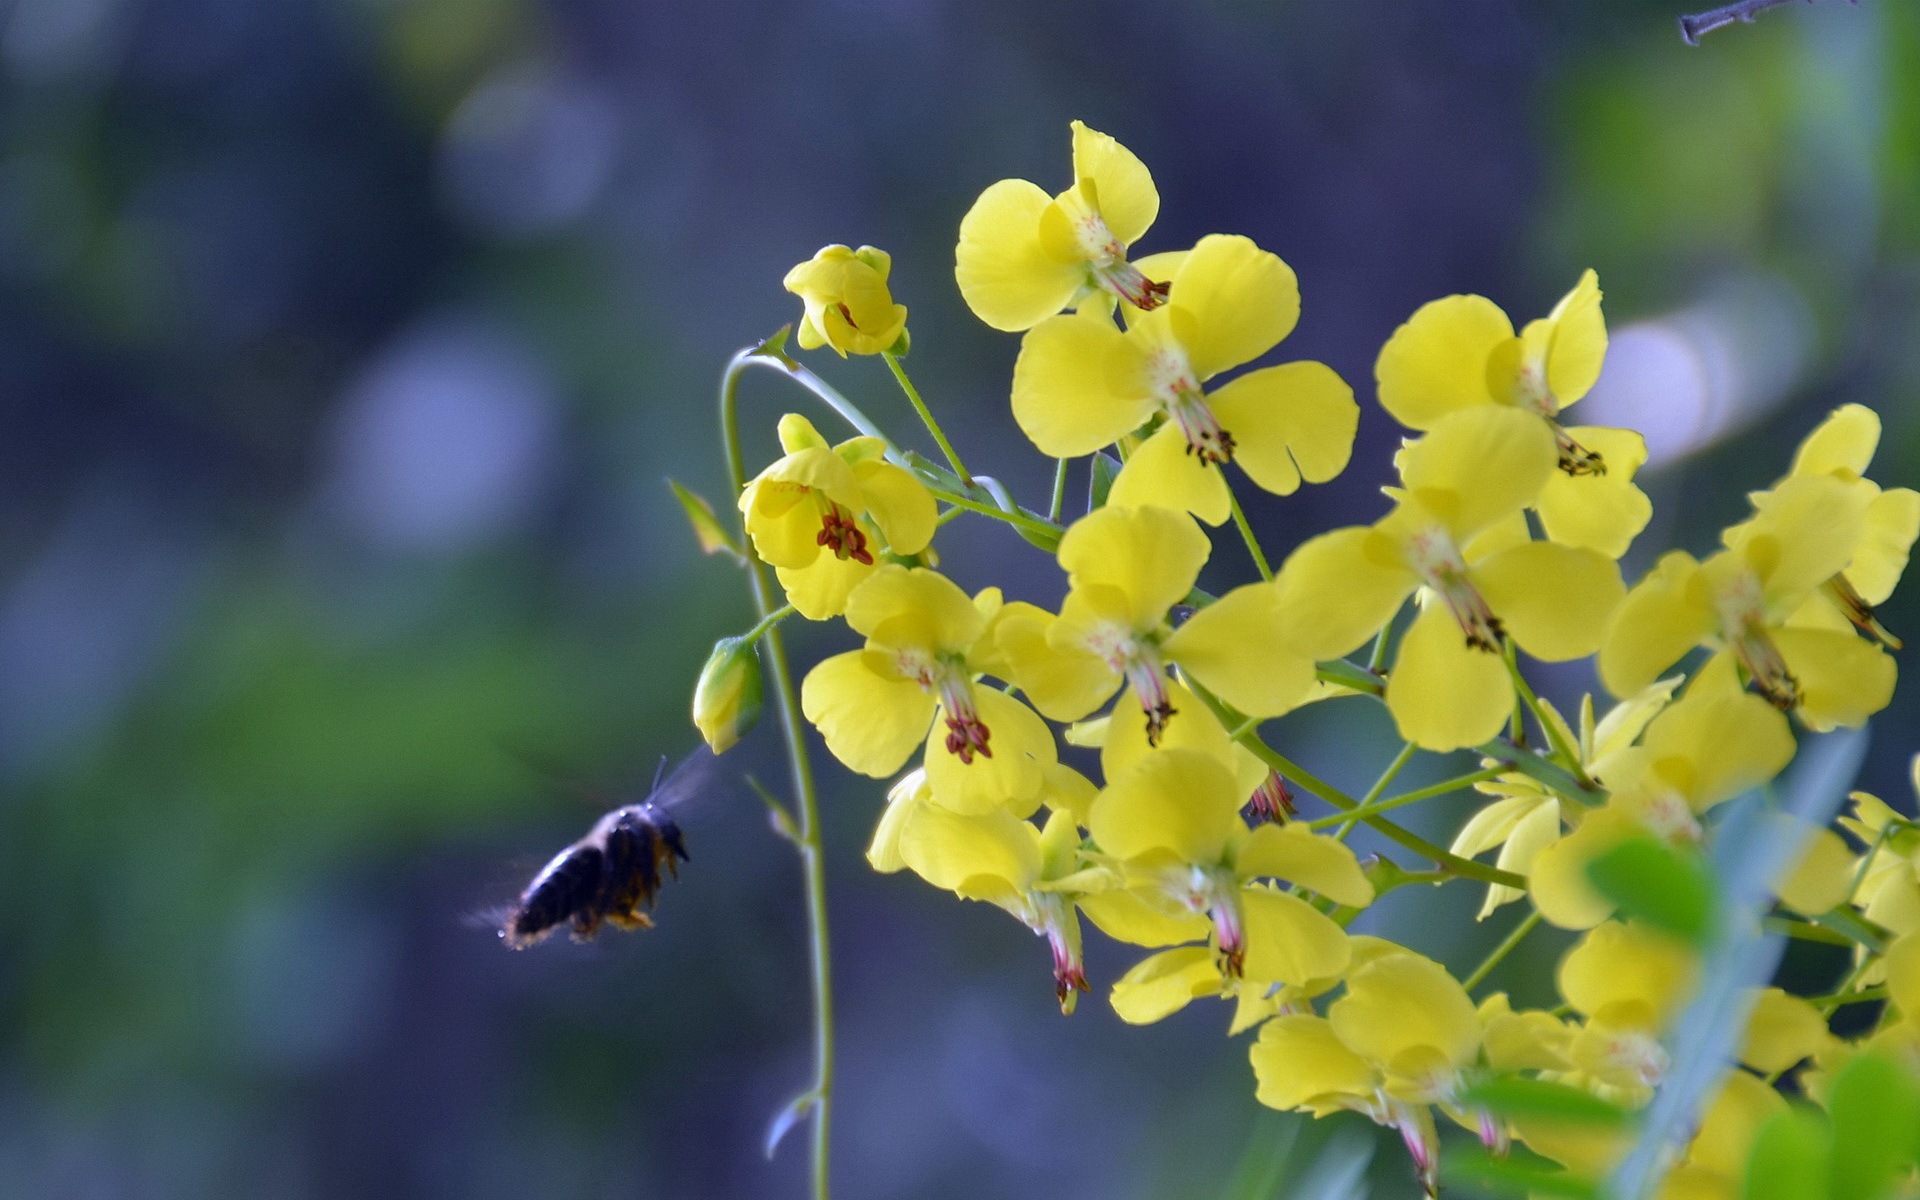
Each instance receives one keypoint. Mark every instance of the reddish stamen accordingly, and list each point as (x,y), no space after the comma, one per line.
(840,533)
(1271,801)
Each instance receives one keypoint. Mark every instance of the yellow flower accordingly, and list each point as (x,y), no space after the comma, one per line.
(1711,745)
(1035,874)
(1126,568)
(1461,351)
(1456,535)
(1842,447)
(874,706)
(1171,822)
(823,514)
(1889,892)
(1081,383)
(1627,981)
(847,302)
(1748,603)
(1024,256)
(1526,817)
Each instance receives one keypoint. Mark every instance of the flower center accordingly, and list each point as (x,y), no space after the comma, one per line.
(1051,915)
(1743,621)
(967,734)
(1576,459)
(1438,562)
(1138,660)
(1271,801)
(1216,894)
(1171,379)
(841,533)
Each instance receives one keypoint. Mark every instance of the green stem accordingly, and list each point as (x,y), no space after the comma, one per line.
(1378,657)
(1059,491)
(1569,756)
(1464,868)
(768,622)
(1378,789)
(807,835)
(1413,797)
(1841,999)
(1246,535)
(1866,862)
(926,418)
(1501,951)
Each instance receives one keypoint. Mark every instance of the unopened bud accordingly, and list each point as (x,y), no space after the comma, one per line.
(726,701)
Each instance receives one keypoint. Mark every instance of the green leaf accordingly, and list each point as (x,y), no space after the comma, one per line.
(1106,468)
(1789,1158)
(1875,1106)
(775,347)
(1519,1173)
(1664,887)
(1540,1098)
(713,536)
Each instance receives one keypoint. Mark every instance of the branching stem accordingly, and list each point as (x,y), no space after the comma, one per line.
(1696,25)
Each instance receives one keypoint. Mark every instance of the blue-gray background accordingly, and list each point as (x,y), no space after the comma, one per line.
(345,346)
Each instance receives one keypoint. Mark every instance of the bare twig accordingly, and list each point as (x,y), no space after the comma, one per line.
(1742,11)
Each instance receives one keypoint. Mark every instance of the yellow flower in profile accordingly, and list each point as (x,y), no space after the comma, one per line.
(1457,537)
(1126,568)
(821,515)
(847,302)
(1748,604)
(1034,874)
(1842,447)
(1711,745)
(1889,892)
(874,706)
(1024,255)
(1526,816)
(1171,823)
(1626,981)
(1081,383)
(1461,351)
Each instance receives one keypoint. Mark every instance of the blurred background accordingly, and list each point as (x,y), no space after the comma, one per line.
(345,346)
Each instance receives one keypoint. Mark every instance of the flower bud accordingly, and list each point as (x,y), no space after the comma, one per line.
(726,701)
(848,305)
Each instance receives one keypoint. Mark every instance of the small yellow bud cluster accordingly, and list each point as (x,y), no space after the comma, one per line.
(1500,538)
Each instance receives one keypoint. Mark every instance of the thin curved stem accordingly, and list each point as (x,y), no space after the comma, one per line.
(807,835)
(1059,490)
(1414,797)
(1368,801)
(1246,535)
(1501,951)
(1568,755)
(926,418)
(768,622)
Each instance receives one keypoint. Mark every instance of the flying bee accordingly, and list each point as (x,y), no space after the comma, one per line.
(612,875)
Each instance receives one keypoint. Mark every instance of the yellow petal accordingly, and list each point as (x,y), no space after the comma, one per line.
(1579,341)
(1066,791)
(1164,472)
(904,801)
(1892,522)
(1728,1129)
(1077,385)
(1400,1006)
(870,723)
(1598,512)
(1231,302)
(1495,823)
(1237,649)
(820,592)
(1843,679)
(1822,876)
(1626,964)
(1558,879)
(1803,536)
(1842,444)
(1535,832)
(1338,589)
(1714,744)
(1006,277)
(1174,800)
(1298,855)
(1160,985)
(1288,422)
(1662,617)
(942,614)
(1194,728)
(1290,941)
(1903,975)
(1443,693)
(1011,776)
(1782,1030)
(1125,916)
(1299,1062)
(1063,681)
(1151,556)
(1436,363)
(899,504)
(1127,199)
(1554,600)
(1479,465)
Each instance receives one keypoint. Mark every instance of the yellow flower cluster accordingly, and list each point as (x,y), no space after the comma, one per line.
(1503,529)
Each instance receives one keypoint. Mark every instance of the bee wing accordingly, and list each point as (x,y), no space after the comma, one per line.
(685,780)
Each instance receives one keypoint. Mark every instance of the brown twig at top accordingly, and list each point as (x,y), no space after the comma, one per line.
(1742,11)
